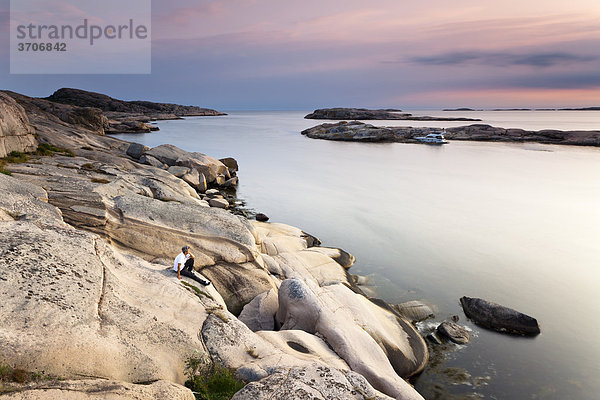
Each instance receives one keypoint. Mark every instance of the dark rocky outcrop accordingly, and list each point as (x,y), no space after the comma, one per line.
(83,98)
(481,132)
(366,114)
(497,317)
(361,132)
(87,118)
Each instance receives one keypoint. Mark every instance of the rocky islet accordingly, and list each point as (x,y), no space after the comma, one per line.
(361,132)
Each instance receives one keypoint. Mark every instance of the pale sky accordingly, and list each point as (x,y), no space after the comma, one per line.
(279,54)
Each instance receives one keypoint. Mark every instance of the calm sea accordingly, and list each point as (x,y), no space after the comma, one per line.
(517,224)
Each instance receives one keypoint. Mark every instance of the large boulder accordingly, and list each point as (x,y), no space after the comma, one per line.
(497,317)
(262,359)
(374,342)
(16,133)
(135,150)
(259,314)
(171,155)
(239,283)
(231,163)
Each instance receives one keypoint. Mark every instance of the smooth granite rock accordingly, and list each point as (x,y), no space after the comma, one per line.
(314,382)
(16,133)
(259,314)
(218,203)
(369,348)
(75,307)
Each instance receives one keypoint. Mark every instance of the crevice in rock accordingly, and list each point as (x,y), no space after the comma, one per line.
(103,285)
(287,377)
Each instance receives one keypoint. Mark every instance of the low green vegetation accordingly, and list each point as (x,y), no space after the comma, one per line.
(197,291)
(220,384)
(45,149)
(14,157)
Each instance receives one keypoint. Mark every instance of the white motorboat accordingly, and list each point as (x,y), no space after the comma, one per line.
(432,138)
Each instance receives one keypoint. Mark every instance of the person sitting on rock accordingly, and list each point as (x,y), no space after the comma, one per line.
(186,259)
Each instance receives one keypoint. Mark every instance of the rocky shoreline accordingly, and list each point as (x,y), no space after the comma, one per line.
(361,132)
(90,227)
(366,114)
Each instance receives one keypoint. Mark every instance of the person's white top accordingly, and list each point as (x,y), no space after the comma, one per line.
(180,259)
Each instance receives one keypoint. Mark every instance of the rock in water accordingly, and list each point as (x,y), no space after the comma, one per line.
(497,317)
(454,332)
(414,310)
(261,217)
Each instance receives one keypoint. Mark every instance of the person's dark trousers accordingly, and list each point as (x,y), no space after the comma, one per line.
(188,270)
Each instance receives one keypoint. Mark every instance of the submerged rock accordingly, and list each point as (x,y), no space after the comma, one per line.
(497,317)
(454,332)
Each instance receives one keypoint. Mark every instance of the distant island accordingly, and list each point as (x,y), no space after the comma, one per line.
(361,132)
(342,113)
(525,109)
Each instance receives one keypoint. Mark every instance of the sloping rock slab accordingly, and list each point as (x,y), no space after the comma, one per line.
(100,390)
(499,318)
(73,307)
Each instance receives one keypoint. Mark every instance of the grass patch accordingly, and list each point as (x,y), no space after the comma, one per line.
(3,170)
(197,291)
(88,148)
(45,149)
(221,384)
(14,157)
(100,180)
